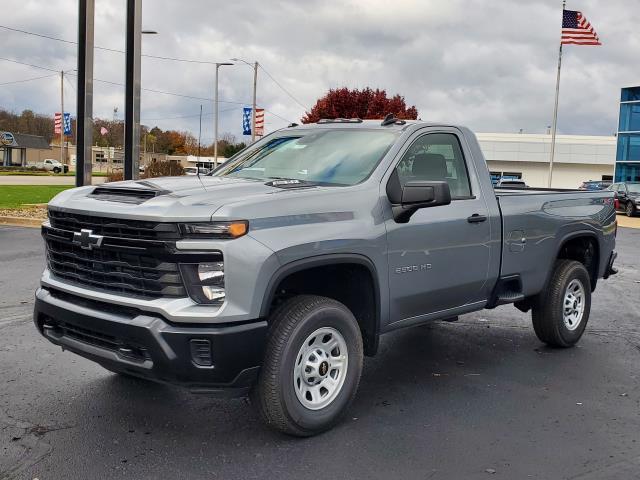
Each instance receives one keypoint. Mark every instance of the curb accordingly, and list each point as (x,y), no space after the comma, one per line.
(21,222)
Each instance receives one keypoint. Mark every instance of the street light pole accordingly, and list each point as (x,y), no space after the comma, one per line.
(215,123)
(62,119)
(255,66)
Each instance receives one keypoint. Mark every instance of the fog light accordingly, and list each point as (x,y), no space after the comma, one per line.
(205,281)
(214,294)
(211,273)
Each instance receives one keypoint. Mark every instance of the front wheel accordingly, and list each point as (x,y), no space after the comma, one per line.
(630,210)
(312,366)
(560,313)
(56,170)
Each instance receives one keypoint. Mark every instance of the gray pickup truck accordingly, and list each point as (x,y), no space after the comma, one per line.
(277,272)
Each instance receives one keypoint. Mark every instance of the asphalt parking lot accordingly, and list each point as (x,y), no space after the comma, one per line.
(480,398)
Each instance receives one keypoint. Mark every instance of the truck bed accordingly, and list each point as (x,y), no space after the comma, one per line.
(536,222)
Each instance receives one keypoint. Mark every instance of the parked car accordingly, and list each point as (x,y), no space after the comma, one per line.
(595,185)
(276,274)
(52,165)
(510,183)
(194,170)
(627,196)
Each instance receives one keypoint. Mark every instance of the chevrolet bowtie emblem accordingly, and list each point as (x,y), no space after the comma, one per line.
(86,239)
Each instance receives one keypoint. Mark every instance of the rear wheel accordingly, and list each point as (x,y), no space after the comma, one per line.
(630,209)
(311,368)
(560,313)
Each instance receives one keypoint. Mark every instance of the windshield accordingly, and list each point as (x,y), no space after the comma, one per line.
(326,157)
(633,187)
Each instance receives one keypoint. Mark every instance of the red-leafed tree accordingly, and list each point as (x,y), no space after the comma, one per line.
(366,104)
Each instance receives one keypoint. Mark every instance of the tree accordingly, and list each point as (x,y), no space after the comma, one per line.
(366,104)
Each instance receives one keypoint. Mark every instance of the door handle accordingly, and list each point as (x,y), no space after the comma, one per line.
(476,218)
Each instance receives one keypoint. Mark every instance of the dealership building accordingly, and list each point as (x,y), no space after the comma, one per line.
(628,153)
(525,156)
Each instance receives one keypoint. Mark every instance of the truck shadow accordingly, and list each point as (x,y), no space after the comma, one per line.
(413,369)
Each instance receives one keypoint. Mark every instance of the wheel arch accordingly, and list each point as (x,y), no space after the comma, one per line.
(584,247)
(367,314)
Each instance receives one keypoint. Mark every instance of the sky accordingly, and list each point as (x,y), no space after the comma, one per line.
(490,65)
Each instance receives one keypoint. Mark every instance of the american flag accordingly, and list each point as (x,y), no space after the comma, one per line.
(57,123)
(576,29)
(57,119)
(260,121)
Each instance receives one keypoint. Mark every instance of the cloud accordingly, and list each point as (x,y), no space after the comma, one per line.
(490,66)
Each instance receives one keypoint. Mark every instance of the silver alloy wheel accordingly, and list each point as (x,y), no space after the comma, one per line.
(629,209)
(320,368)
(573,308)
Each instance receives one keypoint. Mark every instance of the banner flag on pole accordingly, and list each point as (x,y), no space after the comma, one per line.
(246,121)
(260,121)
(67,124)
(57,123)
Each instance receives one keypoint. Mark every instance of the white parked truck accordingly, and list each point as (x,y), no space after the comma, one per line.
(52,165)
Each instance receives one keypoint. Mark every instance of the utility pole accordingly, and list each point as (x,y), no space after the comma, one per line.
(253,110)
(215,114)
(62,118)
(199,138)
(255,66)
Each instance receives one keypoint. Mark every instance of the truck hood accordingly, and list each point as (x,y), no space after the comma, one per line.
(171,198)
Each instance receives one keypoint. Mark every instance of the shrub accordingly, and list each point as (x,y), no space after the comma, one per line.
(115,176)
(163,169)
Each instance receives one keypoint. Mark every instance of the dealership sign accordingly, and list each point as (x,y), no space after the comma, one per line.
(7,139)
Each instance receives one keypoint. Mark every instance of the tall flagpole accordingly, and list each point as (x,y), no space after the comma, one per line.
(555,108)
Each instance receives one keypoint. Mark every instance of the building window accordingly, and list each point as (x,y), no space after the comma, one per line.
(628,147)
(629,117)
(100,157)
(512,175)
(630,94)
(627,172)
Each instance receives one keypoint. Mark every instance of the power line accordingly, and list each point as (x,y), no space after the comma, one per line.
(71,42)
(159,57)
(283,89)
(29,65)
(163,92)
(146,89)
(27,79)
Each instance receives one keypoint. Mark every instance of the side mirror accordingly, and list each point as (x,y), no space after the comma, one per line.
(407,199)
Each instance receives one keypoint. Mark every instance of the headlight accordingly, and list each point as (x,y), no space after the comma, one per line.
(234,229)
(205,281)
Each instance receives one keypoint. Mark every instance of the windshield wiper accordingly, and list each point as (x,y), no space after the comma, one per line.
(284,182)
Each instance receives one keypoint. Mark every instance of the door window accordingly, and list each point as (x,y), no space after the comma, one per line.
(436,157)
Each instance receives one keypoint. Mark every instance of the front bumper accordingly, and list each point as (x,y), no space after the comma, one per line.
(221,359)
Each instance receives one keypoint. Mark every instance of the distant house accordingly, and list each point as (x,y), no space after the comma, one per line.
(20,149)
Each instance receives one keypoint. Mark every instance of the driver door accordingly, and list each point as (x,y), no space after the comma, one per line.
(439,260)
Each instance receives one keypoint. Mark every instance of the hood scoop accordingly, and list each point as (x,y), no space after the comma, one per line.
(126,194)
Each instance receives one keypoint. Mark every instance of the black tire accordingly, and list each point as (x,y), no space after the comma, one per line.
(548,307)
(275,395)
(56,170)
(630,209)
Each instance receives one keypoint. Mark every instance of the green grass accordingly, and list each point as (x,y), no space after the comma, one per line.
(46,174)
(13,196)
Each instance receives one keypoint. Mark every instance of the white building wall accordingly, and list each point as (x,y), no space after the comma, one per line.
(564,175)
(577,157)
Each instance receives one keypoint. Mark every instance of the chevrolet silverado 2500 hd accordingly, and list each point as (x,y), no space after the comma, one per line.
(277,272)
